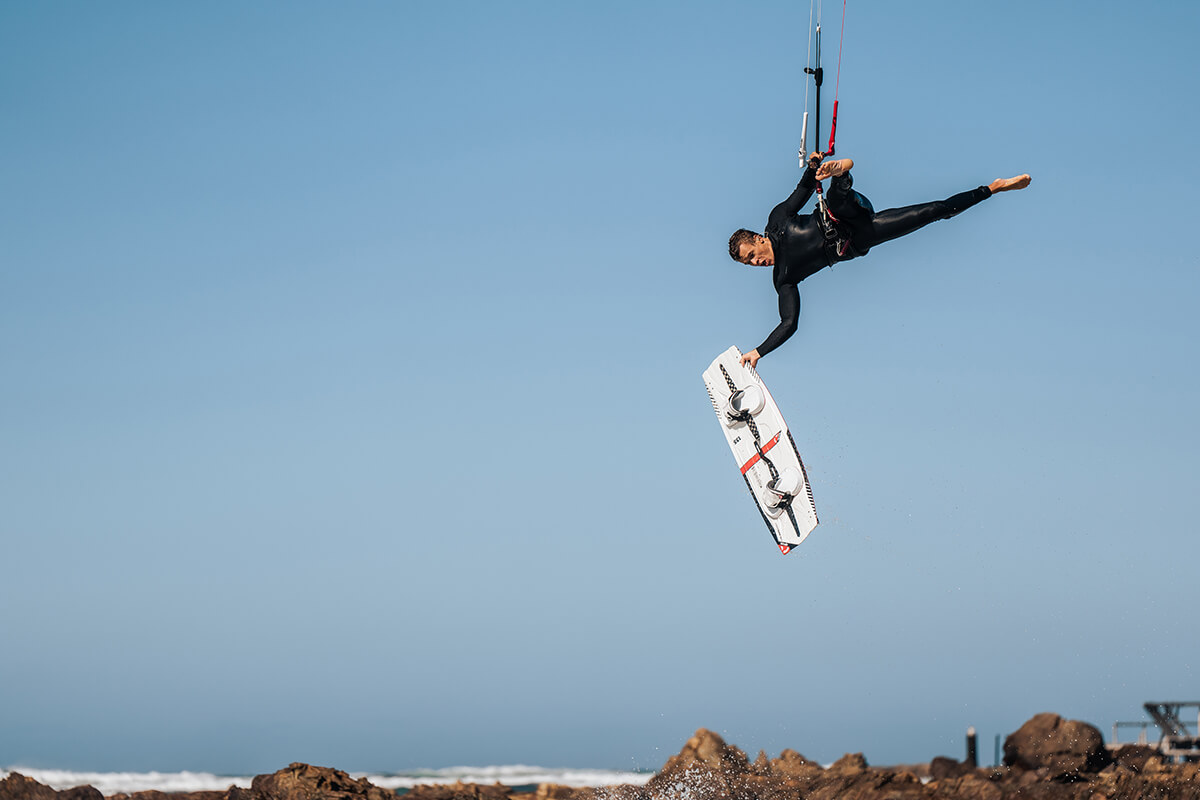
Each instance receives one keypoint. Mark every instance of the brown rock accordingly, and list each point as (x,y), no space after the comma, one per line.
(306,782)
(21,787)
(942,767)
(705,769)
(1135,757)
(1065,749)
(621,792)
(458,791)
(850,763)
(855,781)
(967,787)
(152,794)
(707,749)
(553,791)
(793,764)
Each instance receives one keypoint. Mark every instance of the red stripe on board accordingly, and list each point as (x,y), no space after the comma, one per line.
(754,458)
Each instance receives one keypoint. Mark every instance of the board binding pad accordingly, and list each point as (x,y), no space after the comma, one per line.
(763,447)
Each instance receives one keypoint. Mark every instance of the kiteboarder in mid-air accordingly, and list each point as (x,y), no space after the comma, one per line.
(845,226)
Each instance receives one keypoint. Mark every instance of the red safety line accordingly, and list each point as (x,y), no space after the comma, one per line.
(837,86)
(841,38)
(754,458)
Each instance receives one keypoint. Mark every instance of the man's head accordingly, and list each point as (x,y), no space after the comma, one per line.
(751,248)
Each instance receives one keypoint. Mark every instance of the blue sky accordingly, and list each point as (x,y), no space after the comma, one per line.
(352,409)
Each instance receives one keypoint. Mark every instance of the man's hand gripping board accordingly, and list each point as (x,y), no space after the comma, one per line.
(763,448)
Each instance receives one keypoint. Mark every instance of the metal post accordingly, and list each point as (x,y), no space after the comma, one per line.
(972,757)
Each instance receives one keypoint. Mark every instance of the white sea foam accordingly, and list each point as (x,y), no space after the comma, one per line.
(110,783)
(514,775)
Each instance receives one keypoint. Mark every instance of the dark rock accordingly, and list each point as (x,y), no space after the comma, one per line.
(1065,749)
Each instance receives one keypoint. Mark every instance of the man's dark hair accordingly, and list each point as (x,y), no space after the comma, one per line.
(740,237)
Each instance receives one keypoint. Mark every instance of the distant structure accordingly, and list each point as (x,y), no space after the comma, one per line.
(1176,739)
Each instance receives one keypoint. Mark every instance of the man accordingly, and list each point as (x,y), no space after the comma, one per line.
(798,246)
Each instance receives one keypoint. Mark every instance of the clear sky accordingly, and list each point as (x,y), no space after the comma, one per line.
(351,407)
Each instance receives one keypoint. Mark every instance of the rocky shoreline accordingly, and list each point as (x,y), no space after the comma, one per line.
(1048,758)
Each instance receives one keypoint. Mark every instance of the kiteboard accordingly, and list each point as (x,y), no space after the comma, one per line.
(763,447)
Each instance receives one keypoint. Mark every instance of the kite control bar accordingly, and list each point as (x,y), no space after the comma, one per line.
(818,78)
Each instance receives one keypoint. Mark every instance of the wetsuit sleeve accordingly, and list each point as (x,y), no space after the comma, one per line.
(789,318)
(799,196)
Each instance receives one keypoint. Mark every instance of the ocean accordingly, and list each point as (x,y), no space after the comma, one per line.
(517,775)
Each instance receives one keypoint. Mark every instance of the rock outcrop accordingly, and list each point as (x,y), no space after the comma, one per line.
(1064,749)
(942,768)
(306,782)
(1048,758)
(21,787)
(1136,757)
(705,769)
(462,791)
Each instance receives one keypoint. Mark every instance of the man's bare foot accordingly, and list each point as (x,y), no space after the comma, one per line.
(832,169)
(1009,184)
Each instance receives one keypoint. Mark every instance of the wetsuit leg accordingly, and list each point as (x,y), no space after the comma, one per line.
(853,212)
(893,223)
(845,203)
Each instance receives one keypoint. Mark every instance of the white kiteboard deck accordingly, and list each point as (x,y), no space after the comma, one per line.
(763,447)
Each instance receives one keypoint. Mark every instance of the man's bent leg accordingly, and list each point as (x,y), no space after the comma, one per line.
(845,203)
(893,223)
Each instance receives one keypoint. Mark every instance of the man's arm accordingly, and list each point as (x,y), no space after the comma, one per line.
(800,195)
(789,320)
(789,295)
(796,200)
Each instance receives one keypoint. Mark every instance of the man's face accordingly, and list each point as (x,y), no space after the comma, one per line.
(757,252)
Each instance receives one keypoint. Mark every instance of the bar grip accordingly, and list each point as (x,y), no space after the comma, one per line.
(832,129)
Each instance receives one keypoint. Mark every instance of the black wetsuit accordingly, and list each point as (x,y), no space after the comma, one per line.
(802,246)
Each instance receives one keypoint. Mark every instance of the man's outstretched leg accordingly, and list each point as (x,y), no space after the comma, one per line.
(893,223)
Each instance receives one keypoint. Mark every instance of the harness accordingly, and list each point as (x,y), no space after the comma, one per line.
(838,239)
